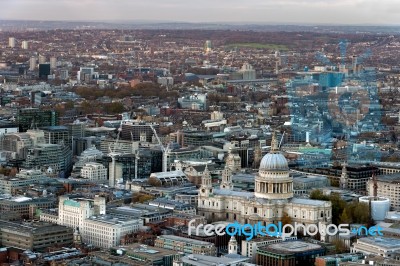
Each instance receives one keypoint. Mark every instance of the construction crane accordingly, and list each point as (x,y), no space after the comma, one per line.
(165,150)
(136,152)
(280,143)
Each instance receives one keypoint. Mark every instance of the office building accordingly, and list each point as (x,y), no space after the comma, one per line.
(249,248)
(379,246)
(44,71)
(34,236)
(55,159)
(105,231)
(196,138)
(185,245)
(57,135)
(36,98)
(94,172)
(11,42)
(153,255)
(337,259)
(16,145)
(8,128)
(388,187)
(25,178)
(30,118)
(289,253)
(85,74)
(135,130)
(26,206)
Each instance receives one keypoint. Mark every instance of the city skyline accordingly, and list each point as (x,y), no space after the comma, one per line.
(360,12)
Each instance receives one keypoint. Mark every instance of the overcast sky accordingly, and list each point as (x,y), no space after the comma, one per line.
(266,11)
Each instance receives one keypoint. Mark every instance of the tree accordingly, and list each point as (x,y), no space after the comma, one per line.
(317,194)
(154,182)
(140,198)
(344,217)
(286,219)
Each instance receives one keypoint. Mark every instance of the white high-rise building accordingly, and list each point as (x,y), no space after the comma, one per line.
(248,72)
(53,62)
(94,171)
(32,63)
(11,42)
(25,45)
(42,59)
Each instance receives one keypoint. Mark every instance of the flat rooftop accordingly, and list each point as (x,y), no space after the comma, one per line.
(184,239)
(149,252)
(291,247)
(382,242)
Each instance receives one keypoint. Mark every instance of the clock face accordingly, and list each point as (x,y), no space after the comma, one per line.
(203,190)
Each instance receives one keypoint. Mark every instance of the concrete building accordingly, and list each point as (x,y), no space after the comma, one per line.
(94,172)
(380,246)
(35,236)
(95,227)
(26,206)
(185,245)
(289,253)
(140,253)
(53,62)
(249,248)
(16,145)
(53,158)
(8,185)
(32,63)
(335,260)
(25,45)
(248,72)
(388,187)
(105,231)
(171,178)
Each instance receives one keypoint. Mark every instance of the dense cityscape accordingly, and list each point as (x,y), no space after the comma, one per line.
(199,144)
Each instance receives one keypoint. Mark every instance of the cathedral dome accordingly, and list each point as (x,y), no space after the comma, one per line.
(274,161)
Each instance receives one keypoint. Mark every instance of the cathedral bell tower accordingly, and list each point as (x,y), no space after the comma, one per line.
(226,179)
(206,188)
